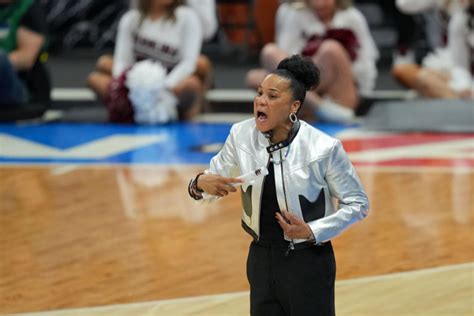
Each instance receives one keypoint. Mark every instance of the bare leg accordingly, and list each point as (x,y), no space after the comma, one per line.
(190,97)
(99,83)
(406,74)
(271,56)
(100,79)
(427,82)
(337,81)
(255,77)
(204,71)
(105,64)
(433,84)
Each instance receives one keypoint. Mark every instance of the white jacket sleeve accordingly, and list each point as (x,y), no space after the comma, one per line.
(225,161)
(123,52)
(191,42)
(345,185)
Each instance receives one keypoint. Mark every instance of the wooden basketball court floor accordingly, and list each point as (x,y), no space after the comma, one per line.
(119,236)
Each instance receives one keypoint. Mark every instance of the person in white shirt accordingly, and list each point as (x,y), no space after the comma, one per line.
(337,38)
(165,31)
(448,71)
(206,12)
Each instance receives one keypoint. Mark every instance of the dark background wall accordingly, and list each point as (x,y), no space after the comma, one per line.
(84,23)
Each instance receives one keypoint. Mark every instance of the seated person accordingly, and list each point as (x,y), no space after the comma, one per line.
(205,10)
(163,31)
(23,77)
(447,72)
(336,37)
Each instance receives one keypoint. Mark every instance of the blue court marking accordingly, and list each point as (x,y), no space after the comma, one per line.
(180,145)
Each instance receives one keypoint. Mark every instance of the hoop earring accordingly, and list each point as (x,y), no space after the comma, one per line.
(293,118)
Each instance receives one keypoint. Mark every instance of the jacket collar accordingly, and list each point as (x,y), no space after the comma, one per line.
(284,143)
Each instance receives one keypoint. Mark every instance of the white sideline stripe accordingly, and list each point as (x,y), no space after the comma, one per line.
(217,95)
(225,95)
(231,118)
(221,117)
(226,296)
(72,94)
(391,94)
(231,95)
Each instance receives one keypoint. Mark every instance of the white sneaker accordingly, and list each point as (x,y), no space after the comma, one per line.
(333,112)
(407,58)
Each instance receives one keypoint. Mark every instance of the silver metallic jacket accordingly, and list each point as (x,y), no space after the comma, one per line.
(309,173)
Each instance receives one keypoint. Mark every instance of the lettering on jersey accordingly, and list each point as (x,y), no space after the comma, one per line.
(147,49)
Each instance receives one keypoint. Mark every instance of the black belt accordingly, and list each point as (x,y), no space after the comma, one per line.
(285,244)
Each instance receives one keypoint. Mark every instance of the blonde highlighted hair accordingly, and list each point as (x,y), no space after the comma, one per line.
(343,4)
(340,4)
(144,7)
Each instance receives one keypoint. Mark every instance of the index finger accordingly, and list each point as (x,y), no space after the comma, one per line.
(292,218)
(283,223)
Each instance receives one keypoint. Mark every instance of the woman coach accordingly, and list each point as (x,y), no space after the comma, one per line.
(289,212)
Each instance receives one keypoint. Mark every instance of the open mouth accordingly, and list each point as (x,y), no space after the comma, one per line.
(261,116)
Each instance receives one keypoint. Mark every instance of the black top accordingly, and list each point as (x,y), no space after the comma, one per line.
(270,230)
(36,79)
(35,20)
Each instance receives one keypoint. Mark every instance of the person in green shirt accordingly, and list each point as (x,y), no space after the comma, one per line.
(22,37)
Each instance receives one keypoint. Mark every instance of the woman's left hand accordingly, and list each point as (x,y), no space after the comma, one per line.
(293,226)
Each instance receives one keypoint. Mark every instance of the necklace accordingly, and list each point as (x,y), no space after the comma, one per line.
(282,158)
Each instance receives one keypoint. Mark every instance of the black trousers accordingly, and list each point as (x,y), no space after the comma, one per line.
(298,284)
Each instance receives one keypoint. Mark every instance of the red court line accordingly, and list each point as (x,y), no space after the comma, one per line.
(388,141)
(414,162)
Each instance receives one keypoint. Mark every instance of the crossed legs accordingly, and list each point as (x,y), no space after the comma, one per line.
(427,82)
(189,91)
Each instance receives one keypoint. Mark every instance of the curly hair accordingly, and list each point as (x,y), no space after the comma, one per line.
(302,73)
